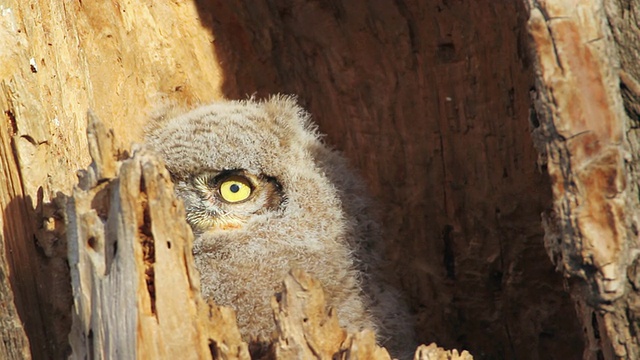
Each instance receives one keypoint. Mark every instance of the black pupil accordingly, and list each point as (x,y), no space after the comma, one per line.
(234,188)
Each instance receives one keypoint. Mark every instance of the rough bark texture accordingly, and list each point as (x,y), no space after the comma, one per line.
(587,101)
(135,288)
(15,344)
(428,98)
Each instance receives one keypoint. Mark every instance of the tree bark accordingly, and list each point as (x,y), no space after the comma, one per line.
(15,344)
(587,109)
(136,291)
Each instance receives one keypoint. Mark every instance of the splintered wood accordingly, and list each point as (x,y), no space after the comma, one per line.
(433,352)
(303,299)
(307,331)
(136,291)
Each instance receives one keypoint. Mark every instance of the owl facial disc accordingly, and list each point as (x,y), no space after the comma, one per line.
(226,199)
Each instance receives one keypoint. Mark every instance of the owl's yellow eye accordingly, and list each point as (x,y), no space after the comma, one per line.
(235,189)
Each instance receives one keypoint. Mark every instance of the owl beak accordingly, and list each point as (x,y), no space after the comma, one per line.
(220,220)
(229,226)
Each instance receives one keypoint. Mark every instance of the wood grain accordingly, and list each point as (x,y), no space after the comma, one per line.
(136,290)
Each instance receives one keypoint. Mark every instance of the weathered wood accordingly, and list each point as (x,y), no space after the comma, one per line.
(136,291)
(15,344)
(305,330)
(584,102)
(433,352)
(583,121)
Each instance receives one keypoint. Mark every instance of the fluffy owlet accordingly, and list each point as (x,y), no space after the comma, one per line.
(263,194)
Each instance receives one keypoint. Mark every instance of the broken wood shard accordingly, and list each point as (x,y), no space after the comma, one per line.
(305,328)
(433,352)
(136,291)
(225,341)
(362,345)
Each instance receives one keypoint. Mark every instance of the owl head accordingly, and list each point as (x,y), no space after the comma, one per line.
(236,162)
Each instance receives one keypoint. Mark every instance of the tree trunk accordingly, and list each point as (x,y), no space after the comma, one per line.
(429,99)
(587,104)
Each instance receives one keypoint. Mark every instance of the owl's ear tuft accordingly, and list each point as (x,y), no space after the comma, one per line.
(163,109)
(284,109)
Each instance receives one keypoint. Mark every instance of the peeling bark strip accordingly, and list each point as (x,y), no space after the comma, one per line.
(582,132)
(137,293)
(582,127)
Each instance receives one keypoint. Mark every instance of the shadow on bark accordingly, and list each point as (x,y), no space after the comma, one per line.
(40,278)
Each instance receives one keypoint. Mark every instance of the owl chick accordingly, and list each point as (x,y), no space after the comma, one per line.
(263,194)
